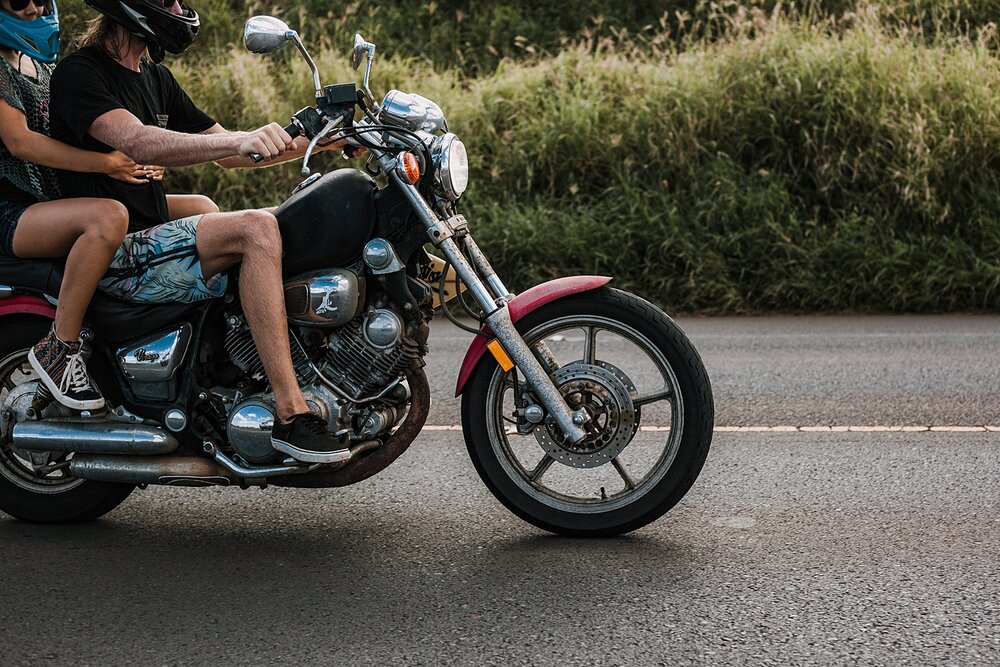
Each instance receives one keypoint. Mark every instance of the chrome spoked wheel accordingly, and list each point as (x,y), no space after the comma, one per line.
(35,472)
(600,473)
(643,385)
(38,486)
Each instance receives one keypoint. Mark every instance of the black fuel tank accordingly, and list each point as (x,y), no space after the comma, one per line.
(327,223)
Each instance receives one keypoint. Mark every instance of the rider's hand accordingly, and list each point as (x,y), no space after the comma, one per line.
(269,142)
(339,143)
(121,167)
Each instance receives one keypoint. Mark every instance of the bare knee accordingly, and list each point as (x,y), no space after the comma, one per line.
(206,204)
(258,232)
(108,222)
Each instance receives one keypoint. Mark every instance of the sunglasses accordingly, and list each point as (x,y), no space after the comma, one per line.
(19,5)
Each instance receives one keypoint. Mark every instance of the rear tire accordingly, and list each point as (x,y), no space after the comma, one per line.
(496,453)
(25,495)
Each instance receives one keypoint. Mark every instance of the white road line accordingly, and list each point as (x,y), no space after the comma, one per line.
(799,429)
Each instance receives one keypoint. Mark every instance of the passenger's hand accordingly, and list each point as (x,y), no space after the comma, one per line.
(269,142)
(151,172)
(121,167)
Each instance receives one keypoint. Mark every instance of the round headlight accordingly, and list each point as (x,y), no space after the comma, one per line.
(451,165)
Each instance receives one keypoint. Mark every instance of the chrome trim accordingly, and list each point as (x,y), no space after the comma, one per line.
(256,472)
(446,148)
(399,108)
(175,420)
(381,258)
(157,357)
(95,437)
(331,298)
(6,291)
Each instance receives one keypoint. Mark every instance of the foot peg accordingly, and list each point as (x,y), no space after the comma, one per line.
(43,398)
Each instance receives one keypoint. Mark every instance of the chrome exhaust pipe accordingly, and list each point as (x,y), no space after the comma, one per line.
(166,470)
(93,437)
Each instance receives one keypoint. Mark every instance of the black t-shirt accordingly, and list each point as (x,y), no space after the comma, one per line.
(88,84)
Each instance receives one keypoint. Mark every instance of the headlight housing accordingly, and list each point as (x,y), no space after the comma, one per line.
(451,165)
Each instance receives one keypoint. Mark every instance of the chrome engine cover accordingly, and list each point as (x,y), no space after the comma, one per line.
(251,420)
(328,298)
(249,428)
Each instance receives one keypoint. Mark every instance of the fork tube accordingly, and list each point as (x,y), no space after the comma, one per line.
(484,268)
(498,318)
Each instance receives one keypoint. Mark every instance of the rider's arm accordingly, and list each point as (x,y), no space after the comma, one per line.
(120,129)
(40,149)
(297,151)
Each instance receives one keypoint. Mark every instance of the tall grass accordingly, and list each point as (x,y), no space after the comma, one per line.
(764,161)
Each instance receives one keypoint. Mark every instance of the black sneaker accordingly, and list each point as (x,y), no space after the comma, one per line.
(305,438)
(61,369)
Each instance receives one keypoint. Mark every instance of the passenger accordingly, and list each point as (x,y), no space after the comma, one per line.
(33,221)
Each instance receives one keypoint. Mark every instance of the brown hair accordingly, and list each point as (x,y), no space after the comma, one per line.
(102,32)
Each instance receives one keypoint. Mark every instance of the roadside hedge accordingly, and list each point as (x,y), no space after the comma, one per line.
(779,164)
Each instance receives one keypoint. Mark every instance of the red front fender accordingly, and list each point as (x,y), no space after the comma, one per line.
(521,305)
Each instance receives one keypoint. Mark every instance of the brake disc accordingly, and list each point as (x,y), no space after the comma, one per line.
(604,392)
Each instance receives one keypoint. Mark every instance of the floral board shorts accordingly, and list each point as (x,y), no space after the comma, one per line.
(160,265)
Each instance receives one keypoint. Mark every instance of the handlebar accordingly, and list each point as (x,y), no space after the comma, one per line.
(293,131)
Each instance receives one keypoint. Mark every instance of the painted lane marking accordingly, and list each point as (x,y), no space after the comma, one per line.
(798,429)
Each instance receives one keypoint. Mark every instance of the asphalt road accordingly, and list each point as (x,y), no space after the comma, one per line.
(792,548)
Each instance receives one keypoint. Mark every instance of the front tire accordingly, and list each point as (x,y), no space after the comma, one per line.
(625,342)
(25,493)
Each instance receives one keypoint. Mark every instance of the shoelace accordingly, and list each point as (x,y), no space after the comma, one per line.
(75,375)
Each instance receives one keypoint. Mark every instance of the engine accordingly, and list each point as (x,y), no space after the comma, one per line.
(349,376)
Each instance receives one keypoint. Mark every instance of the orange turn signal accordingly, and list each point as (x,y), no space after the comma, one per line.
(411,167)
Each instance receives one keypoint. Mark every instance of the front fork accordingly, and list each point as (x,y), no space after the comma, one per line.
(492,296)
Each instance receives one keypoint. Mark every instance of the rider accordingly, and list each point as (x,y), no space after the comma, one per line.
(114,94)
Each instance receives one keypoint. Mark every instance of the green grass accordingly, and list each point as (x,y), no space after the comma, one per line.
(744,161)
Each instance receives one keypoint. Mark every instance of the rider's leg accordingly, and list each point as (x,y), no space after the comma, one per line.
(87,232)
(184,206)
(252,237)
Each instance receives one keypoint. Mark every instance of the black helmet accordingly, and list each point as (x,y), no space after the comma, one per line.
(150,21)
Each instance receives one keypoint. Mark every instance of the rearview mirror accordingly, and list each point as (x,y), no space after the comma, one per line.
(266,34)
(360,49)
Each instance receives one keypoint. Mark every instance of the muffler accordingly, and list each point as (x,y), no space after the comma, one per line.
(167,470)
(94,437)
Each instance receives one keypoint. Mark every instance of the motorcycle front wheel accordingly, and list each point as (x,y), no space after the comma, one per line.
(649,398)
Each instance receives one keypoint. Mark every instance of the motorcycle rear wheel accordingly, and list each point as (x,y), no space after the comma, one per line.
(613,482)
(26,494)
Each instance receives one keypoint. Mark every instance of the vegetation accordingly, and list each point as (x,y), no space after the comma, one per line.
(731,157)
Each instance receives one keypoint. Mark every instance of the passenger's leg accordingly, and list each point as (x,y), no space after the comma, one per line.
(85,231)
(184,206)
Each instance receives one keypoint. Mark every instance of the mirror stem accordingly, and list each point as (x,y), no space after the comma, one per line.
(294,36)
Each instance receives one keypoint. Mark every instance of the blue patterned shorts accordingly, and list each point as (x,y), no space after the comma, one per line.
(160,265)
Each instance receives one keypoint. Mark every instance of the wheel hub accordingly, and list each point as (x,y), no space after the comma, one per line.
(603,391)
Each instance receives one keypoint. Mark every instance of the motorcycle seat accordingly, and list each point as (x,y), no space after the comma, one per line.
(112,319)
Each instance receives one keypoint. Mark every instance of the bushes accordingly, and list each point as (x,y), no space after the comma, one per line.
(776,164)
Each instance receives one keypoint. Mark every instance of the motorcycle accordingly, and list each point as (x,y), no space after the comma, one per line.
(553,387)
